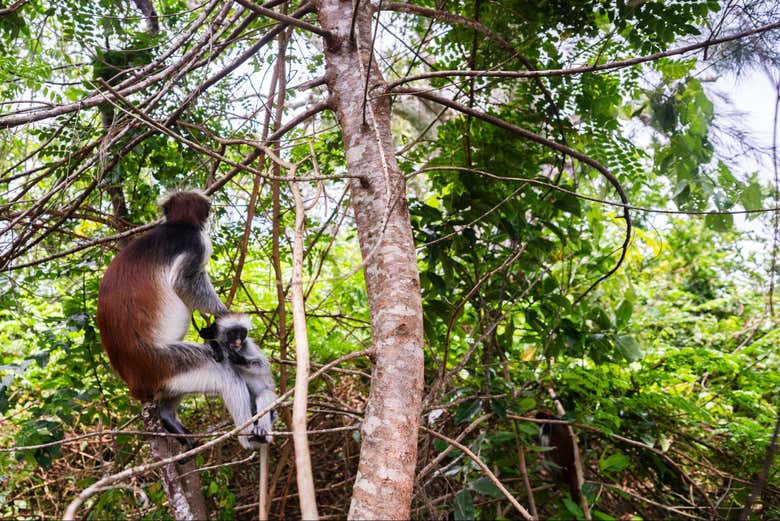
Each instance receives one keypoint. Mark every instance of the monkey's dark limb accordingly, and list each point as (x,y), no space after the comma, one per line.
(216,348)
(237,358)
(172,424)
(209,332)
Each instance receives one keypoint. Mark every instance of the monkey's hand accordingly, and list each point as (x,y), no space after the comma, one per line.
(217,351)
(209,332)
(262,429)
(237,358)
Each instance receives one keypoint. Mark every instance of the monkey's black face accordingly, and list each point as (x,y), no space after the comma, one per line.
(235,337)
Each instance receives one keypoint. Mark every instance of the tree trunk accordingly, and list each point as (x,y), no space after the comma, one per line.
(383,486)
(185,499)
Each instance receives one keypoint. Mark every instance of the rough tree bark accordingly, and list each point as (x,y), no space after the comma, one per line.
(388,454)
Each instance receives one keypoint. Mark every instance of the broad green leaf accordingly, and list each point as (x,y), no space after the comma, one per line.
(468,410)
(614,463)
(573,508)
(487,488)
(751,197)
(628,347)
(623,313)
(464,506)
(719,222)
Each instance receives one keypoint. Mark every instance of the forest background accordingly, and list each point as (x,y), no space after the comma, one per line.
(587,216)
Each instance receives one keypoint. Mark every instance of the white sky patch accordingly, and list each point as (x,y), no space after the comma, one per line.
(754,95)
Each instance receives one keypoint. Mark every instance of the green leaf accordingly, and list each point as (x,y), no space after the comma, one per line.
(526,404)
(464,506)
(573,508)
(628,347)
(467,410)
(487,488)
(719,222)
(751,197)
(499,407)
(614,463)
(623,313)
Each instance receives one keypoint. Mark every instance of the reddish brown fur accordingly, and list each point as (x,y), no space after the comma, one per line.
(562,453)
(129,301)
(128,304)
(188,207)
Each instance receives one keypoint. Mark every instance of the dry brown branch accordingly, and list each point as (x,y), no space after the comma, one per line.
(439,457)
(674,510)
(252,51)
(5,11)
(463,301)
(243,166)
(262,485)
(524,471)
(661,454)
(85,494)
(550,186)
(278,75)
(284,18)
(763,476)
(492,477)
(127,87)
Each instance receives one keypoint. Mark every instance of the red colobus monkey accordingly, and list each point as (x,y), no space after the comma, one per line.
(250,362)
(145,302)
(560,458)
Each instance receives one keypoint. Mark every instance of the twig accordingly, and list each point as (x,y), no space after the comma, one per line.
(776,217)
(88,492)
(459,308)
(669,461)
(262,485)
(536,182)
(555,146)
(223,465)
(435,462)
(284,18)
(573,70)
(677,511)
(763,476)
(492,477)
(524,471)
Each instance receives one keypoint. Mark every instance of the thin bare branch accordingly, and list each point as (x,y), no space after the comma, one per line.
(621,64)
(555,146)
(291,20)
(88,492)
(305,479)
(492,477)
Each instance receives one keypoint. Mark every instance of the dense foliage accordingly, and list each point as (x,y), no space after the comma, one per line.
(667,367)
